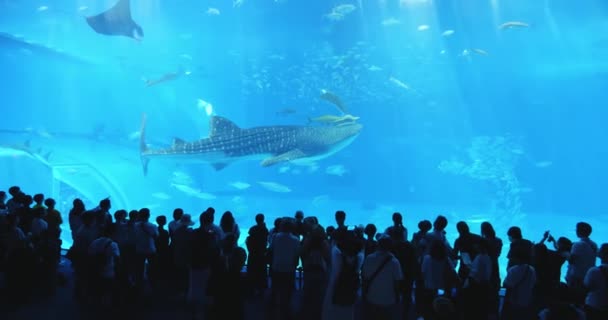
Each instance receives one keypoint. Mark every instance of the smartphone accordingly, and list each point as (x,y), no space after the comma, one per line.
(440,292)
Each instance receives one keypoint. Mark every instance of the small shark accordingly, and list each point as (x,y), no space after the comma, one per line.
(272,144)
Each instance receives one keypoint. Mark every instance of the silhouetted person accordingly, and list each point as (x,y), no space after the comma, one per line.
(257,244)
(86,234)
(103,254)
(145,248)
(204,252)
(285,252)
(494,251)
(519,284)
(38,200)
(582,258)
(397,230)
(14,202)
(438,275)
(341,229)
(19,263)
(344,279)
(382,277)
(299,228)
(523,246)
(229,226)
(102,213)
(274,230)
(476,294)
(229,301)
(181,248)
(370,243)
(53,218)
(465,248)
(315,263)
(160,268)
(424,227)
(561,308)
(548,265)
(75,216)
(177,214)
(596,283)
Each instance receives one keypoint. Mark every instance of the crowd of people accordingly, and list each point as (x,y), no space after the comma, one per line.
(119,258)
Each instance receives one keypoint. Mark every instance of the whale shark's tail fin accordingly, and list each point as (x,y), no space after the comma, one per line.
(142,145)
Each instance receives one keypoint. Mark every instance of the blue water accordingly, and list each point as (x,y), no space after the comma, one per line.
(479,124)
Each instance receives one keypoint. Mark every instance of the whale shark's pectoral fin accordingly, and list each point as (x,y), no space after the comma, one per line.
(284,157)
(219,165)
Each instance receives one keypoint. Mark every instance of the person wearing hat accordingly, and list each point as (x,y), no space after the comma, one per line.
(186,220)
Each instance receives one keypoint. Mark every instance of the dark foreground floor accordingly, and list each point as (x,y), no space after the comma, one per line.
(62,306)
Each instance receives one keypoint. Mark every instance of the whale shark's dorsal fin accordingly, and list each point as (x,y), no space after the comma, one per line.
(178,142)
(221,126)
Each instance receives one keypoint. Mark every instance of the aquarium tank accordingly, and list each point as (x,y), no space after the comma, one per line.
(480,110)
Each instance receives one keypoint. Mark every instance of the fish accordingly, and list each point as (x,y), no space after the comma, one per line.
(399,83)
(228,143)
(480,51)
(334,119)
(193,192)
(240,185)
(25,150)
(447,33)
(390,22)
(336,170)
(423,27)
(213,12)
(10,42)
(340,11)
(286,112)
(274,187)
(164,78)
(332,98)
(161,196)
(344,9)
(321,200)
(180,177)
(117,21)
(543,164)
(513,24)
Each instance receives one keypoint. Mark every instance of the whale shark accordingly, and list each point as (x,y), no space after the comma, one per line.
(228,143)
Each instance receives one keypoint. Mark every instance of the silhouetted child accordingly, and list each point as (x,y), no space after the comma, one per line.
(370,244)
(161,264)
(38,199)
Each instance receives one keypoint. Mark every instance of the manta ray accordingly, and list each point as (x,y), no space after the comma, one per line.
(116,21)
(228,143)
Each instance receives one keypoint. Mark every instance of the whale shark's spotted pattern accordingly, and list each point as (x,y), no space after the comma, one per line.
(274,144)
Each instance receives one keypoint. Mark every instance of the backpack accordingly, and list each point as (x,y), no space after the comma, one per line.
(347,283)
(314,261)
(99,259)
(204,248)
(604,272)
